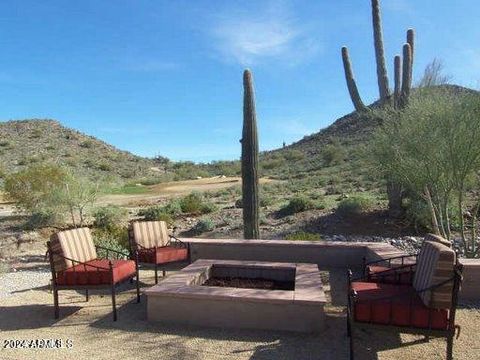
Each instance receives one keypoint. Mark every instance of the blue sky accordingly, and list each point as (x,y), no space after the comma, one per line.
(165,77)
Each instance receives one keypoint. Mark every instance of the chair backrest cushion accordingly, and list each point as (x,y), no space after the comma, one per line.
(435,264)
(76,244)
(437,238)
(149,234)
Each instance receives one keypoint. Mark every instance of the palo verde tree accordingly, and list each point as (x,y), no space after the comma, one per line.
(431,148)
(250,196)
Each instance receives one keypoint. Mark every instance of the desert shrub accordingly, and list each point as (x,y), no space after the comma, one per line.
(43,217)
(115,240)
(203,225)
(208,207)
(296,205)
(333,154)
(87,144)
(32,187)
(293,155)
(156,213)
(302,235)
(271,164)
(266,201)
(354,205)
(173,208)
(417,212)
(49,147)
(194,203)
(4,143)
(191,203)
(105,167)
(110,217)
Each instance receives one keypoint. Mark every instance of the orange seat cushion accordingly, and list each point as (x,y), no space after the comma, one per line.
(163,255)
(371,306)
(90,275)
(399,276)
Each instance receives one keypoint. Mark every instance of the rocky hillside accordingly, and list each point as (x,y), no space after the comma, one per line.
(26,142)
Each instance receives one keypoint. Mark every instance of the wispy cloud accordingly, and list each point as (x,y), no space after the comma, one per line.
(271,32)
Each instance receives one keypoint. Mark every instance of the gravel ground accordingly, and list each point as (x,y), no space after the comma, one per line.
(26,312)
(22,281)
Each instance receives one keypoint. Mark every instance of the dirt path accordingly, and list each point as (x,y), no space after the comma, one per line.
(175,188)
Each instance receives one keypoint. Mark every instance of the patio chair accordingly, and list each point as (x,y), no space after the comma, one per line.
(426,306)
(75,266)
(155,246)
(398,269)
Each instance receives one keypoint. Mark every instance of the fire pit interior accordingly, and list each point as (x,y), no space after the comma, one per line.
(241,294)
(251,277)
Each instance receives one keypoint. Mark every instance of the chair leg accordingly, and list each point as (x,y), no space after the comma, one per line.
(156,274)
(138,288)
(55,303)
(114,303)
(351,343)
(163,272)
(450,346)
(86,295)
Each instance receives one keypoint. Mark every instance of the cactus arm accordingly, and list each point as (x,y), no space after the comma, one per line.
(406,74)
(398,80)
(382,75)
(351,83)
(250,161)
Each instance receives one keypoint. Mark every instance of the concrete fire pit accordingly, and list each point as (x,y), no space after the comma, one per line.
(184,298)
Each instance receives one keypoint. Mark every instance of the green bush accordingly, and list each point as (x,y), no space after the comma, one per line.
(173,208)
(204,225)
(156,213)
(191,203)
(208,208)
(302,235)
(354,206)
(194,203)
(43,218)
(296,205)
(333,154)
(113,239)
(110,217)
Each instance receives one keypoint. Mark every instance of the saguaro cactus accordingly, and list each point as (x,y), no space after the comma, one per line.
(382,75)
(351,83)
(407,74)
(249,142)
(398,80)
(411,40)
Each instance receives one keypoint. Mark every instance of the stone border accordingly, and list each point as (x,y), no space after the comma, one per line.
(188,283)
(181,298)
(326,254)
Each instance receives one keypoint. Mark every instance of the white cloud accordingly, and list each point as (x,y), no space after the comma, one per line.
(272,32)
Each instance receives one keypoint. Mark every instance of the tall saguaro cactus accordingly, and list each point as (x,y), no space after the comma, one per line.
(351,83)
(249,142)
(382,75)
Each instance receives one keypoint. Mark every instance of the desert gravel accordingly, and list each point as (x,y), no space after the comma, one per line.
(26,312)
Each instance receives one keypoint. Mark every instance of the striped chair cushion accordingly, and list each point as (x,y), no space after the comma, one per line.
(437,238)
(149,234)
(76,244)
(435,264)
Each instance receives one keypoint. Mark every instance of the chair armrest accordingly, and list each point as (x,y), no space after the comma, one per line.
(175,242)
(389,260)
(76,262)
